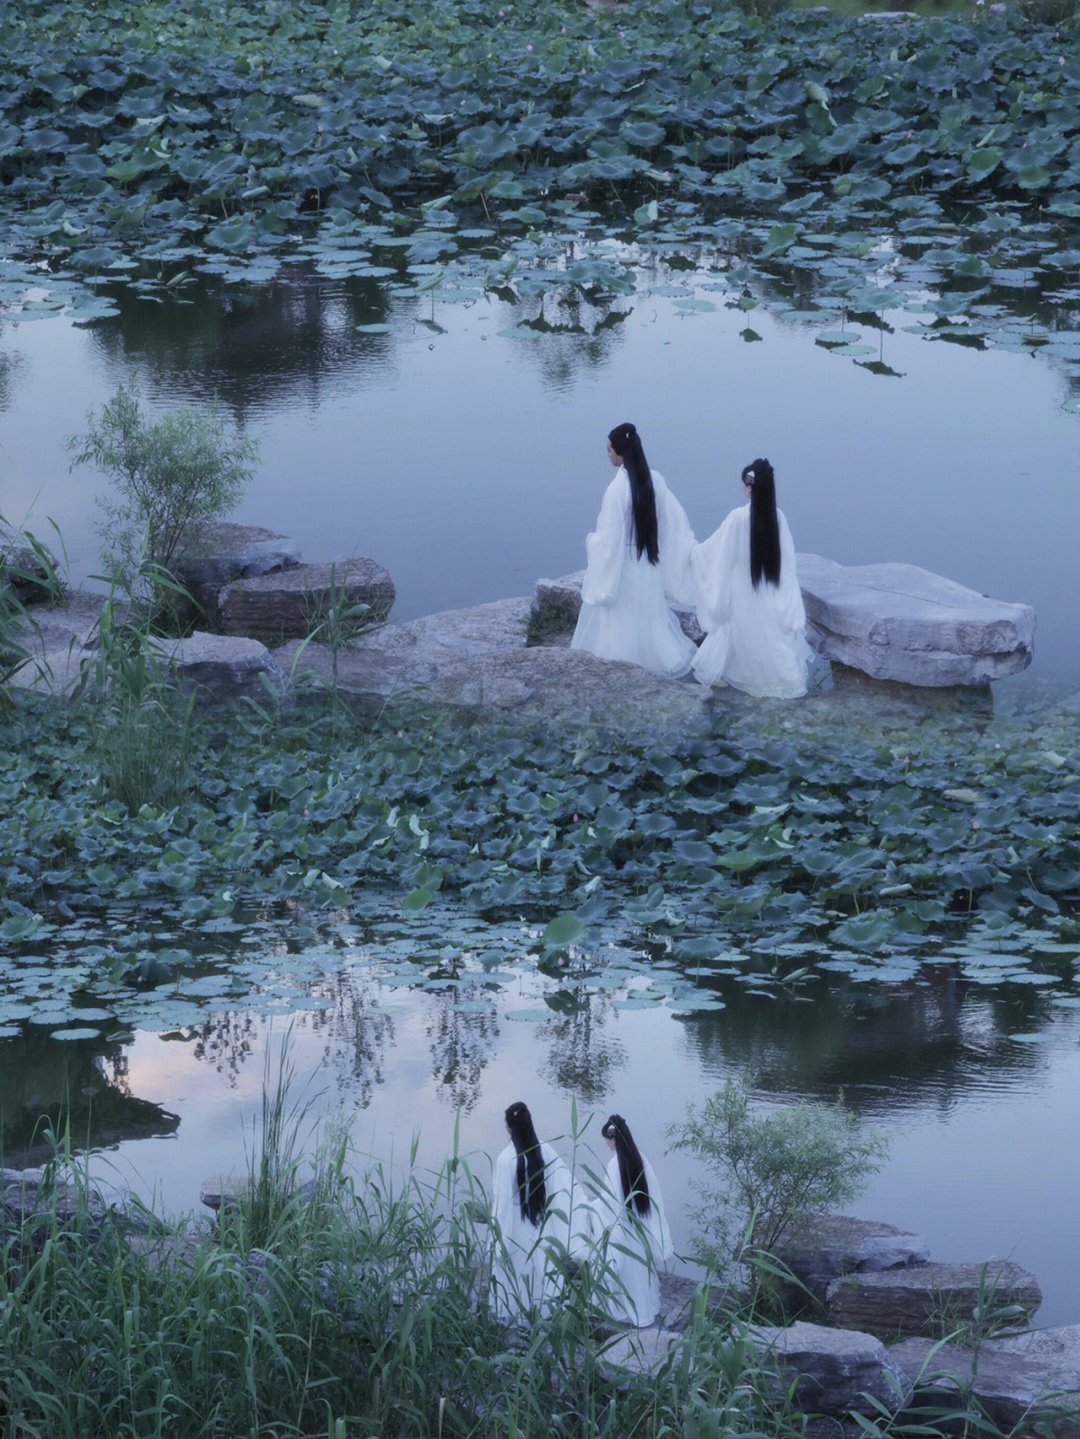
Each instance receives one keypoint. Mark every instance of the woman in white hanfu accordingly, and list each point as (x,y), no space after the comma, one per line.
(640,548)
(531,1208)
(635,1237)
(748,598)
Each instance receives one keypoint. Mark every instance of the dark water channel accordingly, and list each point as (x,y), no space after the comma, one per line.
(465,451)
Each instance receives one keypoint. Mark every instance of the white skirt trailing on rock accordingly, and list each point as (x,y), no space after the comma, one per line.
(624,612)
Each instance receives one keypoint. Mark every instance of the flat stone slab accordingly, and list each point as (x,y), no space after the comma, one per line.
(295,603)
(829,1245)
(905,1301)
(221,665)
(902,623)
(557,603)
(833,1371)
(228,552)
(1018,1380)
(477,659)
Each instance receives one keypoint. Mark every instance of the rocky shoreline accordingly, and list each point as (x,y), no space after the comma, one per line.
(894,627)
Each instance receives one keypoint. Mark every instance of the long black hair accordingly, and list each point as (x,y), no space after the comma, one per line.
(764,526)
(626,443)
(635,1186)
(532,1192)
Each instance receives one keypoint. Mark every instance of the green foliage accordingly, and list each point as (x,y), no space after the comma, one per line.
(142,726)
(29,573)
(173,477)
(772,1170)
(373,141)
(1049,12)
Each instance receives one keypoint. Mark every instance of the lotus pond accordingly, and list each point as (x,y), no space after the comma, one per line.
(448,918)
(431,288)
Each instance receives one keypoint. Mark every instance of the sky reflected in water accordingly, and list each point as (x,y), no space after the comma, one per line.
(471,460)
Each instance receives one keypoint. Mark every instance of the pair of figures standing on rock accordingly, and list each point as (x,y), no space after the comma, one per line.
(742,583)
(542,1217)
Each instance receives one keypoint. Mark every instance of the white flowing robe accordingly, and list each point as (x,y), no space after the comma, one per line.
(624,611)
(631,1249)
(526,1274)
(755,639)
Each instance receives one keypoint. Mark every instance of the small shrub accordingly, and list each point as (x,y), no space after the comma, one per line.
(173,477)
(773,1170)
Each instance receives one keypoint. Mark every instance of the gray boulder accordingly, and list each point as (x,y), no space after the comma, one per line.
(833,1371)
(220,666)
(294,603)
(907,1301)
(30,574)
(556,604)
(477,659)
(902,623)
(226,552)
(638,1351)
(828,1245)
(1018,1381)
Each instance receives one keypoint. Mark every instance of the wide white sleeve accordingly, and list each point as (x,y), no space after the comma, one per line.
(605,548)
(504,1188)
(713,563)
(676,541)
(659,1232)
(789,601)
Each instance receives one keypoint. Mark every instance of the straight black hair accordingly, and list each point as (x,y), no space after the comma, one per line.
(764,526)
(626,443)
(532,1192)
(635,1186)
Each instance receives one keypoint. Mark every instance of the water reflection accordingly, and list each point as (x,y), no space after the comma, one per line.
(291,339)
(79,1085)
(584,1055)
(462,1043)
(924,1043)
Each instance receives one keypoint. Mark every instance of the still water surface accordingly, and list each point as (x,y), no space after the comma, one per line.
(468,455)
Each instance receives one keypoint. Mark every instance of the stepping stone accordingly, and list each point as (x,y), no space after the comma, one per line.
(220,666)
(228,552)
(829,1245)
(294,603)
(902,623)
(1019,1381)
(907,1301)
(833,1371)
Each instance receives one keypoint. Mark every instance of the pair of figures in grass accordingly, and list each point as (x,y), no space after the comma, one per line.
(544,1214)
(742,582)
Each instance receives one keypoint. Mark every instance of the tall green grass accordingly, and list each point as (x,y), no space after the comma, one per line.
(362,1312)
